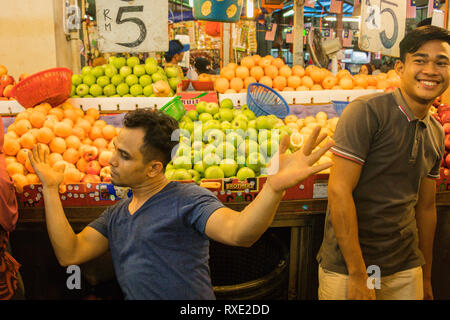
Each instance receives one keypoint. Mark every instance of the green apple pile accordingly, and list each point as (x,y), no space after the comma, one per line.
(221,141)
(123,77)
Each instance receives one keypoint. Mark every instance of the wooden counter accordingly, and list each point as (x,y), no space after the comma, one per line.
(305,219)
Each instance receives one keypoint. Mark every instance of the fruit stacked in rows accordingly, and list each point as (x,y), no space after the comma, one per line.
(274,73)
(226,142)
(79,142)
(7,82)
(125,78)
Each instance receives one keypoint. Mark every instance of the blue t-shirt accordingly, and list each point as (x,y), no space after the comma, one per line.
(161,251)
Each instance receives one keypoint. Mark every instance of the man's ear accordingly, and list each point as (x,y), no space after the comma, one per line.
(154,168)
(399,67)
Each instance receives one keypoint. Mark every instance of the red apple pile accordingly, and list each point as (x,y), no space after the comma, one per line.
(7,82)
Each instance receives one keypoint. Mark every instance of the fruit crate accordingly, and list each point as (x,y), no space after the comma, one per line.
(306,97)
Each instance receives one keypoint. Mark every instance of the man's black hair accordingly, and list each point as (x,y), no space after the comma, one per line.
(158,127)
(417,37)
(175,47)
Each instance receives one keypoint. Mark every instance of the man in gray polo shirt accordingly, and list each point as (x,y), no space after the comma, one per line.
(381,213)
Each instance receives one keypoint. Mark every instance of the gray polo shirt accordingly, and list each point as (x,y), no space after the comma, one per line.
(396,151)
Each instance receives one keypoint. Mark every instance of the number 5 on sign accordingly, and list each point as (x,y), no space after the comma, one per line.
(132,25)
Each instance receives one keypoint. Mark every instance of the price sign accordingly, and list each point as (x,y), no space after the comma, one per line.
(132,25)
(382,26)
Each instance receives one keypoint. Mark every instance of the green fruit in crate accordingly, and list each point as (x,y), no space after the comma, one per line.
(125,71)
(263,123)
(214,172)
(205,117)
(214,136)
(169,174)
(122,89)
(229,167)
(211,125)
(255,161)
(192,114)
(148,90)
(172,72)
(72,91)
(226,114)
(249,114)
(240,160)
(212,108)
(110,70)
(86,70)
(98,71)
(269,148)
(251,134)
(211,159)
(227,103)
(131,80)
(173,82)
(139,70)
(199,167)
(264,135)
(245,173)
(247,147)
(151,60)
(89,79)
(195,175)
(103,81)
(77,79)
(216,116)
(132,61)
(183,162)
(209,149)
(201,107)
(136,90)
(150,68)
(183,149)
(157,77)
(225,125)
(251,124)
(119,62)
(117,79)
(109,90)
(189,126)
(234,138)
(226,150)
(181,174)
(145,80)
(95,90)
(238,124)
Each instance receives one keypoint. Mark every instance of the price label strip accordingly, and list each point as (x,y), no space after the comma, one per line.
(132,26)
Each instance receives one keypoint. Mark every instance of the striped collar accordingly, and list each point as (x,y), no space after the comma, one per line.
(403,106)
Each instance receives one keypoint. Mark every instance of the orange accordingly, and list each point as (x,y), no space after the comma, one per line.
(19,182)
(329,82)
(50,123)
(45,106)
(34,132)
(279,83)
(316,87)
(23,115)
(231,91)
(221,85)
(371,87)
(62,129)
(302,88)
(256,58)
(67,121)
(237,84)
(294,81)
(10,159)
(79,112)
(382,84)
(96,132)
(285,71)
(247,62)
(317,75)
(45,135)
(22,126)
(79,132)
(309,68)
(381,76)
(228,73)
(32,178)
(27,141)
(266,80)
(90,119)
(336,88)
(343,73)
(37,119)
(57,112)
(28,166)
(264,62)
(85,124)
(307,82)
(12,135)
(58,145)
(257,72)
(11,146)
(371,80)
(288,89)
(82,165)
(53,158)
(14,168)
(298,71)
(94,113)
(243,90)
(87,141)
(108,132)
(3,70)
(271,71)
(361,80)
(232,66)
(11,127)
(278,62)
(72,175)
(66,105)
(73,141)
(71,114)
(392,73)
(71,155)
(346,83)
(100,143)
(242,72)
(100,123)
(394,81)
(249,80)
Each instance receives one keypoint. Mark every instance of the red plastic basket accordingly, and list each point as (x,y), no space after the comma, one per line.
(52,86)
(203,85)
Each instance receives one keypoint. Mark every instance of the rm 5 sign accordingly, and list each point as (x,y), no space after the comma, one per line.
(382,26)
(132,25)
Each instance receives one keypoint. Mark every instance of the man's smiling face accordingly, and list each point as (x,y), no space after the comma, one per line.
(425,74)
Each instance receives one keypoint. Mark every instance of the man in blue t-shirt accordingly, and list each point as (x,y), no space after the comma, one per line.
(158,238)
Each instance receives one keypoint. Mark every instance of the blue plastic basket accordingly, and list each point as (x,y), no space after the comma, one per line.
(339,106)
(263,101)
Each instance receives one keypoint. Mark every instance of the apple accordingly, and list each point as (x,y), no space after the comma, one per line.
(248,146)
(210,148)
(131,79)
(91,178)
(105,174)
(214,172)
(139,70)
(157,77)
(226,151)
(93,167)
(103,81)
(269,147)
(195,175)
(76,79)
(136,90)
(89,79)
(117,79)
(109,90)
(211,124)
(151,60)
(446,127)
(132,61)
(227,104)
(245,173)
(192,114)
(447,142)
(151,68)
(251,124)
(212,108)
(98,71)
(225,125)
(7,92)
(89,153)
(226,114)
(95,90)
(169,174)
(234,138)
(238,124)
(229,167)
(172,72)
(214,136)
(262,123)
(211,159)
(82,90)
(201,107)
(183,162)
(145,80)
(148,90)
(249,114)
(264,135)
(181,174)
(125,71)
(255,161)
(86,70)
(110,70)
(122,89)
(199,167)
(104,157)
(182,150)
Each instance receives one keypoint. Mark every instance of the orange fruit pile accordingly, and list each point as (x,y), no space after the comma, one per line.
(68,134)
(274,73)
